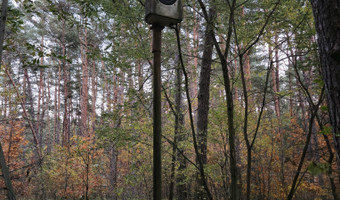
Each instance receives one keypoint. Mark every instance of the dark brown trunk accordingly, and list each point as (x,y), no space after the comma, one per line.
(203,96)
(4,168)
(203,93)
(113,174)
(327,23)
(236,95)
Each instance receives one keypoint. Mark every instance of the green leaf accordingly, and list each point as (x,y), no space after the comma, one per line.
(43,66)
(316,168)
(106,48)
(324,108)
(319,81)
(327,130)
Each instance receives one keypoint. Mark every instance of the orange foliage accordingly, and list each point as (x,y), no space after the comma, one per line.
(75,170)
(13,140)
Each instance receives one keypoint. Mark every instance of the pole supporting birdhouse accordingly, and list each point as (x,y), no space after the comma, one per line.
(159,13)
(157,111)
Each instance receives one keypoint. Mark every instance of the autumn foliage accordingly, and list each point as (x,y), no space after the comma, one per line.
(76,102)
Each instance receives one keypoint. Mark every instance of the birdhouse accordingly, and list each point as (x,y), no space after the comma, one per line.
(163,12)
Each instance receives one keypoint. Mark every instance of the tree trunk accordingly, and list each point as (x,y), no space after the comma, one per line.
(181,189)
(247,78)
(49,136)
(85,81)
(66,120)
(275,85)
(113,173)
(229,95)
(40,98)
(203,96)
(94,96)
(39,105)
(3,164)
(57,106)
(327,23)
(203,93)
(195,41)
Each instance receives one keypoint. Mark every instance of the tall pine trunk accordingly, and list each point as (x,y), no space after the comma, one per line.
(66,120)
(85,80)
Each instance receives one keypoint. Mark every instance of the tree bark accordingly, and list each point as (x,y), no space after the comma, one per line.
(229,95)
(66,120)
(193,131)
(203,95)
(49,136)
(3,164)
(181,189)
(40,98)
(113,170)
(94,96)
(327,23)
(85,80)
(57,101)
(275,84)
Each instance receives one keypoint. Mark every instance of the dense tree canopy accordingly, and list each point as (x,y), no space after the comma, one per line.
(250,100)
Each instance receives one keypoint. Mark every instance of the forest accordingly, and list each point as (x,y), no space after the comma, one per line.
(250,101)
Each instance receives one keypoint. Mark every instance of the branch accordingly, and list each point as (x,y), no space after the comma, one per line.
(263,104)
(262,29)
(36,141)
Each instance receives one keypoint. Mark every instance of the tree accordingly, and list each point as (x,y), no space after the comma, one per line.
(327,24)
(203,93)
(79,67)
(3,164)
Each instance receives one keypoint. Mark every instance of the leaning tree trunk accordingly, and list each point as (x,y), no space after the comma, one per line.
(327,23)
